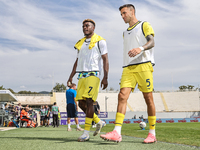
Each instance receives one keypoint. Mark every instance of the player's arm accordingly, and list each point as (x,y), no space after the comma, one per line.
(104,82)
(72,73)
(75,100)
(76,103)
(150,42)
(149,35)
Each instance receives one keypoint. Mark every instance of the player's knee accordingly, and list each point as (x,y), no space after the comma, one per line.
(148,99)
(122,97)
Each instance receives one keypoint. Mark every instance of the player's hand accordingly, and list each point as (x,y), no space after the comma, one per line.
(69,82)
(104,83)
(134,52)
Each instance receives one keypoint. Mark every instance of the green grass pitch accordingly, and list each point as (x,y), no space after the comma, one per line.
(49,138)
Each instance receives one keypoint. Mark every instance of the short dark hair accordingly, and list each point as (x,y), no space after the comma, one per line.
(126,5)
(54,103)
(89,20)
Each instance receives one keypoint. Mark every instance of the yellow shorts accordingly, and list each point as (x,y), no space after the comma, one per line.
(144,79)
(88,88)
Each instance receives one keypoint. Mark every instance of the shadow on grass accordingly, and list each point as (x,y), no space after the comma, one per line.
(68,139)
(65,140)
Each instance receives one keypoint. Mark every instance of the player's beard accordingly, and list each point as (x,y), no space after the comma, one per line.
(88,34)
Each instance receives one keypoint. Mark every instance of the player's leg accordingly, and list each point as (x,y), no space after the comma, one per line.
(88,120)
(69,116)
(100,123)
(89,92)
(145,84)
(45,121)
(57,120)
(128,83)
(121,108)
(41,122)
(78,128)
(89,113)
(54,120)
(115,135)
(82,105)
(48,119)
(151,138)
(68,124)
(92,91)
(75,114)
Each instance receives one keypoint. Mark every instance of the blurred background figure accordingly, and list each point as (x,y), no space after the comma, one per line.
(47,115)
(72,107)
(55,110)
(42,115)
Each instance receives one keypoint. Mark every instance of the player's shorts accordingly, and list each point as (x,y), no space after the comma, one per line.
(144,79)
(71,111)
(88,88)
(47,117)
(42,118)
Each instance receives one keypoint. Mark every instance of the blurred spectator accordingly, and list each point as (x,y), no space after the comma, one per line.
(15,113)
(30,111)
(6,107)
(11,108)
(27,106)
(42,115)
(26,117)
(55,110)
(19,106)
(72,107)
(141,118)
(22,115)
(2,106)
(47,114)
(134,117)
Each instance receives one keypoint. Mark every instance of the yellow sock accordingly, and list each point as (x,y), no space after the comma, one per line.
(119,119)
(88,122)
(96,118)
(152,122)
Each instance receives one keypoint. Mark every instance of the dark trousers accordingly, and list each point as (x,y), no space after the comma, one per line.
(55,120)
